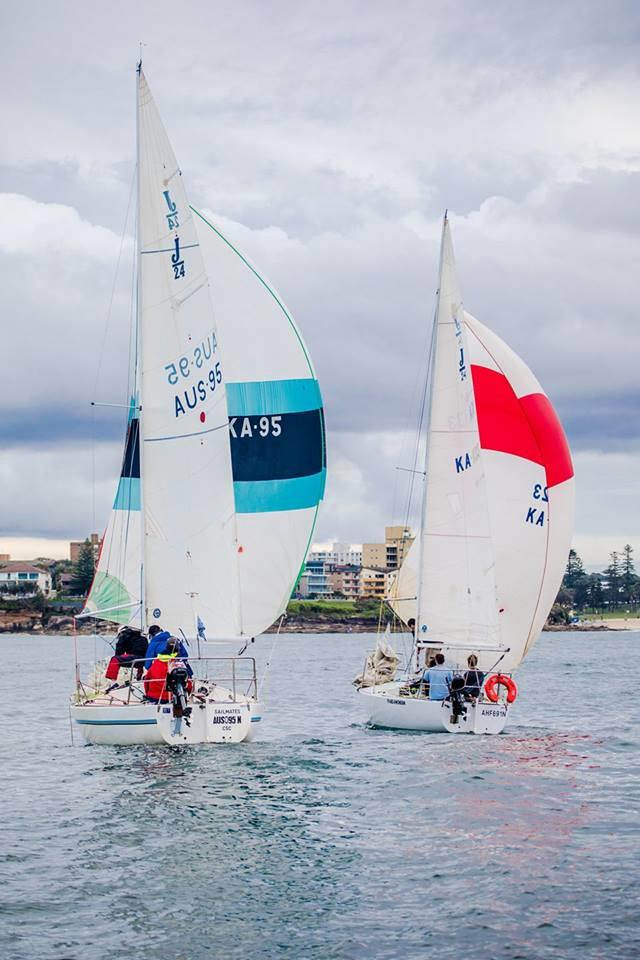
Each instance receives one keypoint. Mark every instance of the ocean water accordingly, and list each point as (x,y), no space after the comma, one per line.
(325,839)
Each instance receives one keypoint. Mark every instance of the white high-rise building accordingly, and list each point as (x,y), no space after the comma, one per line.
(341,554)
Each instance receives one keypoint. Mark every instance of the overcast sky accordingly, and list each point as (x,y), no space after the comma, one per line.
(327,138)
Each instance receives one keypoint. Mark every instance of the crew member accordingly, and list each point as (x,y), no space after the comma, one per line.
(155,680)
(131,648)
(473,678)
(158,641)
(438,677)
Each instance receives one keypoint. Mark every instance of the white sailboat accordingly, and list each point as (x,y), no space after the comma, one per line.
(224,465)
(496,527)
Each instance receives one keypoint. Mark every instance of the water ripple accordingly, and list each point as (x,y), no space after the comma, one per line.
(326,839)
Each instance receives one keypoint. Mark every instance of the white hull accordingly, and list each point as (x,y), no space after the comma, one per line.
(386,708)
(116,723)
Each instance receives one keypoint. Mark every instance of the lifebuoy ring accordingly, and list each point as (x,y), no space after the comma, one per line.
(500,680)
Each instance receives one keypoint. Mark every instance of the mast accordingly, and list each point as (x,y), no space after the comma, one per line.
(432,356)
(137,372)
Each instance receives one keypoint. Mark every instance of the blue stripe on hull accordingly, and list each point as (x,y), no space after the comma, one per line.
(272,397)
(268,496)
(127,494)
(116,723)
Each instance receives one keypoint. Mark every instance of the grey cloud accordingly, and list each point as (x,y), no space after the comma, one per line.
(50,424)
(603,200)
(333,137)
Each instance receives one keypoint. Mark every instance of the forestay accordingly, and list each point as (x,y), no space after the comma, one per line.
(276,428)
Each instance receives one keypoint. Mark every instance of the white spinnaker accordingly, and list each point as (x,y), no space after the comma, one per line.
(264,347)
(531,513)
(456,583)
(190,552)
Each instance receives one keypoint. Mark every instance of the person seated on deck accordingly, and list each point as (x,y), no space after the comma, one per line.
(424,685)
(131,646)
(473,678)
(438,677)
(155,679)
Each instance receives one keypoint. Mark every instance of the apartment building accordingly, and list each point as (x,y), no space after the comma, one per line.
(390,554)
(345,581)
(75,546)
(374,584)
(342,554)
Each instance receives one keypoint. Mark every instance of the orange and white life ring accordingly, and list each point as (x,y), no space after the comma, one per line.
(500,680)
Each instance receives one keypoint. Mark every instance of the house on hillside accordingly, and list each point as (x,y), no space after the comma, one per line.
(18,577)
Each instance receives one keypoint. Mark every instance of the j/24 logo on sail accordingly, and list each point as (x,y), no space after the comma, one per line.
(172,217)
(176,260)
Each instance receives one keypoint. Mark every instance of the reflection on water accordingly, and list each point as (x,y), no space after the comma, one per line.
(327,839)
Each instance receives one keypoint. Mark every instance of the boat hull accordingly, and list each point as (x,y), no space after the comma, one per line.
(385,707)
(121,724)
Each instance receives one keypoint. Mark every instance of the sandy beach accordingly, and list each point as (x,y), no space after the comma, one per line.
(626,623)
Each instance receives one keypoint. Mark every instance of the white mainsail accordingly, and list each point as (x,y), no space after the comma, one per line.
(456,582)
(190,551)
(499,493)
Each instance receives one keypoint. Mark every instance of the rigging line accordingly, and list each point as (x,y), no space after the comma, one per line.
(115,280)
(419,429)
(265,674)
(102,351)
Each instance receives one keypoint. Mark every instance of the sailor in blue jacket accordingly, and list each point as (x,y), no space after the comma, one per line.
(157,642)
(158,639)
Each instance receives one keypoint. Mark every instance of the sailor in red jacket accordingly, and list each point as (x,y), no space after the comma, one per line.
(155,679)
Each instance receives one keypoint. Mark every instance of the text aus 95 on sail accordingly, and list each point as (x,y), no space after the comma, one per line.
(193,394)
(181,371)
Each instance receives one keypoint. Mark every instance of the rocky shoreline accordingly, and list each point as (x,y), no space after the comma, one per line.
(32,622)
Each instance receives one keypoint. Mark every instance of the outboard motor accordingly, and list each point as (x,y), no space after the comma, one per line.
(177,686)
(458,708)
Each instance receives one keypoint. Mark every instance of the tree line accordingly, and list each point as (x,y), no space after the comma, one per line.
(616,586)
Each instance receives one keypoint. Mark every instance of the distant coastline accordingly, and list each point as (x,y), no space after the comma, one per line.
(31,622)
